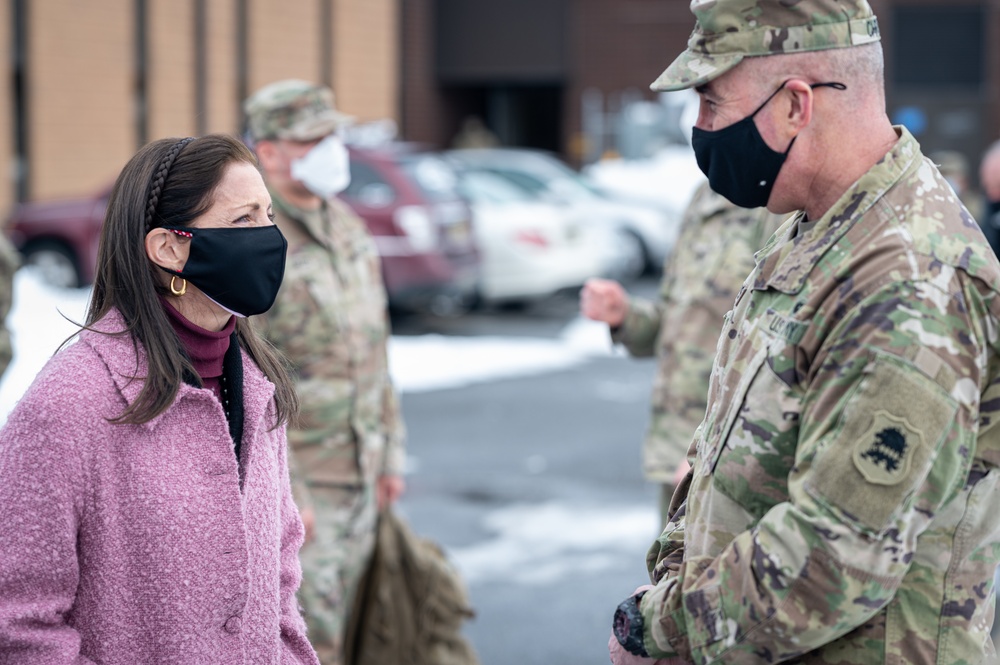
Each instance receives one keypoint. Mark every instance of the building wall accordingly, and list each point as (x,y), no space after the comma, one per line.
(223,109)
(7,151)
(79,105)
(84,81)
(284,41)
(171,66)
(366,76)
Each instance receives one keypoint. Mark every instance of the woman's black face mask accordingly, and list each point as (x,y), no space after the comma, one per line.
(738,163)
(238,268)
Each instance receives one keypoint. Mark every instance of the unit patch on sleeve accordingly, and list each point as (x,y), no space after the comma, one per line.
(874,461)
(883,453)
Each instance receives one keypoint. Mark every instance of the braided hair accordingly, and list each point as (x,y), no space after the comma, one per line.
(156,185)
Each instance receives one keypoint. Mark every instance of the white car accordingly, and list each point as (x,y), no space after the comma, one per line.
(644,235)
(530,249)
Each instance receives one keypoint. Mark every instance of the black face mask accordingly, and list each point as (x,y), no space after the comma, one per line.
(239,269)
(737,161)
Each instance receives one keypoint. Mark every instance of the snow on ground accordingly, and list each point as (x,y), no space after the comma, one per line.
(532,544)
(42,317)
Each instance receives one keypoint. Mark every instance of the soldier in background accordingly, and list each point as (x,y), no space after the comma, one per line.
(711,258)
(989,178)
(10,260)
(955,168)
(842,503)
(331,322)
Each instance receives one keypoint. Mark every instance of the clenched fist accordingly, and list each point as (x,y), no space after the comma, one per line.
(604,300)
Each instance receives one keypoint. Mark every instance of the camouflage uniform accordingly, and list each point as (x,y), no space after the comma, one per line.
(841,508)
(712,257)
(9,262)
(330,321)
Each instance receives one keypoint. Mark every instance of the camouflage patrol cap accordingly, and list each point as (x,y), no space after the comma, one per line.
(292,109)
(727,31)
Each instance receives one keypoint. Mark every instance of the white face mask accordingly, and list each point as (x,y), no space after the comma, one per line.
(326,169)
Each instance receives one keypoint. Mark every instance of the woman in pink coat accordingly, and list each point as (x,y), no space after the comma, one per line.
(145,508)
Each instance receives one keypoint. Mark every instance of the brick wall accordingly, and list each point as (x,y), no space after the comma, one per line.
(284,41)
(223,109)
(171,49)
(79,96)
(82,80)
(7,149)
(366,62)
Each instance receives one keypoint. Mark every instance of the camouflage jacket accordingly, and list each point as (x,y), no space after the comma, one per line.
(713,255)
(842,507)
(9,263)
(330,321)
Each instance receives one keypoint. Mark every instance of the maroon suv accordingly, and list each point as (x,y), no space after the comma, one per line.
(60,237)
(422,227)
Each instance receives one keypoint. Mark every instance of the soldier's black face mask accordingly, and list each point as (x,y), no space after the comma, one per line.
(238,268)
(737,161)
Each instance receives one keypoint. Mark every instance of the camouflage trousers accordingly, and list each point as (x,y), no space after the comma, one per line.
(333,563)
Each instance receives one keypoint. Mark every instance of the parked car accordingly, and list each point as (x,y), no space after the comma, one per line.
(59,238)
(645,234)
(421,225)
(530,248)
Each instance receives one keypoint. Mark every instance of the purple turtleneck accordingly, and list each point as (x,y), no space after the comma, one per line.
(205,348)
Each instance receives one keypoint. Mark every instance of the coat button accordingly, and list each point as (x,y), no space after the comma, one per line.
(232,625)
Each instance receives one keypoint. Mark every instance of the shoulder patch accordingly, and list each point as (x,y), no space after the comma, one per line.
(886,440)
(884,453)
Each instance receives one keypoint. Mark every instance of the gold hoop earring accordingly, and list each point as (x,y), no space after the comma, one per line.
(181,291)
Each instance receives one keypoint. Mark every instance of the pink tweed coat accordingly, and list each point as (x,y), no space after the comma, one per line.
(131,544)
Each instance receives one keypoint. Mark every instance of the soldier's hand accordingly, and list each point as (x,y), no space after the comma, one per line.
(604,300)
(309,522)
(388,490)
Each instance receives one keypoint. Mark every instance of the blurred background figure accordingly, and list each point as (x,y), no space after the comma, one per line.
(475,134)
(330,321)
(989,177)
(10,260)
(954,166)
(713,255)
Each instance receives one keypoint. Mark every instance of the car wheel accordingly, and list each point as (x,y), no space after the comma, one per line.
(54,262)
(633,255)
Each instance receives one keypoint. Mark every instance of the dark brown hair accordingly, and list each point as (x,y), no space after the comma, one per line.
(169,182)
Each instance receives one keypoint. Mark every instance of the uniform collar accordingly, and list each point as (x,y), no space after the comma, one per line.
(788,261)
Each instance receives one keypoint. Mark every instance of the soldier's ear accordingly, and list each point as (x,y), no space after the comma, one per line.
(800,109)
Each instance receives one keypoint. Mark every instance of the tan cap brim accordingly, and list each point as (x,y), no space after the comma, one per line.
(691,69)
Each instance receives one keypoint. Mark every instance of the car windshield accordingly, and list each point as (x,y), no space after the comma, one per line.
(432,175)
(485,187)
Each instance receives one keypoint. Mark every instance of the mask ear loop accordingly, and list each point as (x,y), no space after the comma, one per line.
(829,84)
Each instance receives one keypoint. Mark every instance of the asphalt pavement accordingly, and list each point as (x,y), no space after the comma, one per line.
(533,486)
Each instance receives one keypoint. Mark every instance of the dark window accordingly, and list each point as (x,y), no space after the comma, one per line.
(939,46)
